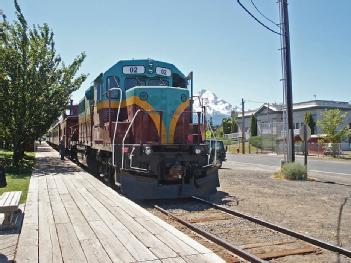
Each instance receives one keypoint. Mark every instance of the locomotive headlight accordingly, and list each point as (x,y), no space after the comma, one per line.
(148,150)
(197,151)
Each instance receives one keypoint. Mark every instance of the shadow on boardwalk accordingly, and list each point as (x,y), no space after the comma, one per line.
(52,165)
(4,259)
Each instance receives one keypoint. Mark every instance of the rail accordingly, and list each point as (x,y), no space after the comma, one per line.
(286,231)
(236,250)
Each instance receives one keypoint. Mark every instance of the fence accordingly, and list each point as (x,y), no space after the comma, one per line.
(271,138)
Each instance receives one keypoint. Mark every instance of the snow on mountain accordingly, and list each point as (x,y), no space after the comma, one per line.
(215,107)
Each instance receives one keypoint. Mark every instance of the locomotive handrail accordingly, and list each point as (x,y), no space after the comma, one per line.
(131,161)
(215,158)
(130,125)
(116,124)
(125,135)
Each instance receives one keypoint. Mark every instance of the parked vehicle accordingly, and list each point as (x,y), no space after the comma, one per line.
(218,153)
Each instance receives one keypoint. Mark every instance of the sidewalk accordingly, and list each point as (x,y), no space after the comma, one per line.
(70,216)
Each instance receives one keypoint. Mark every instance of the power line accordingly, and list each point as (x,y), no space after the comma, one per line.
(257,20)
(259,11)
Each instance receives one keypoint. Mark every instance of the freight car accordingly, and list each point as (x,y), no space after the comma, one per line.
(138,131)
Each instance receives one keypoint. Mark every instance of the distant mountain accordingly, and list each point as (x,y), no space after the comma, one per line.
(215,107)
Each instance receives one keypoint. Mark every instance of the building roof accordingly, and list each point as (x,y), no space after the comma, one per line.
(326,104)
(322,104)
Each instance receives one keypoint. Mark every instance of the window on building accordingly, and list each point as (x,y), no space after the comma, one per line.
(297,125)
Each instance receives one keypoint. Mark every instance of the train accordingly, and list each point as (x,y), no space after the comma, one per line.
(136,129)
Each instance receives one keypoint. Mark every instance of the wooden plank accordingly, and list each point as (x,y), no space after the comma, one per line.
(27,248)
(80,225)
(131,243)
(17,198)
(94,251)
(203,258)
(49,248)
(157,247)
(50,181)
(173,260)
(33,184)
(138,212)
(180,248)
(4,198)
(70,247)
(114,248)
(27,254)
(61,188)
(258,245)
(288,252)
(9,199)
(58,209)
(88,212)
(42,184)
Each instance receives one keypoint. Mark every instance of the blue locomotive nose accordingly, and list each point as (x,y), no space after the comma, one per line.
(169,101)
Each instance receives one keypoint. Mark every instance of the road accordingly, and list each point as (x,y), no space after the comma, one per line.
(323,166)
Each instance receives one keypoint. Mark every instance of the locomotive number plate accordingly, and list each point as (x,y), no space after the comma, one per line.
(133,69)
(163,71)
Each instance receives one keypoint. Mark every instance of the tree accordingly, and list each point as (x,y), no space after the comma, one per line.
(35,84)
(234,125)
(329,123)
(310,122)
(253,129)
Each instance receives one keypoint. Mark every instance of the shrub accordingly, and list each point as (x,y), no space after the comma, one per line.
(256,141)
(294,171)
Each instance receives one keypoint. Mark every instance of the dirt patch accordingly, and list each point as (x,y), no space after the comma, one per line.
(309,207)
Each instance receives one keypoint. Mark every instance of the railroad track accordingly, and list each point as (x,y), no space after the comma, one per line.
(219,224)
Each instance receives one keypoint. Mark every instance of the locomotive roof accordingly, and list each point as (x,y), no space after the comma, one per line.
(145,62)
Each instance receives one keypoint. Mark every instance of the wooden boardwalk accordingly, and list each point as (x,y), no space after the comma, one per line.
(70,216)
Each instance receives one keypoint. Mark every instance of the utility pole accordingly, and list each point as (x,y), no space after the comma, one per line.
(286,66)
(243,125)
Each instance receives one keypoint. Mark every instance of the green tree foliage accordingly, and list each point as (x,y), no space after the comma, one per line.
(219,132)
(35,84)
(330,122)
(253,129)
(310,122)
(234,126)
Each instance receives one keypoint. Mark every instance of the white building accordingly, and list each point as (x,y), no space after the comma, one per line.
(272,114)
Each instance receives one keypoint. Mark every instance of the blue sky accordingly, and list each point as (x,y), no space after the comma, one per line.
(228,51)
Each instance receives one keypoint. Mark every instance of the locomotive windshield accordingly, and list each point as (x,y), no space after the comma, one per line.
(132,82)
(157,82)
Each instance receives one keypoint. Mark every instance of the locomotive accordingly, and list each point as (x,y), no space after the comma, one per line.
(136,128)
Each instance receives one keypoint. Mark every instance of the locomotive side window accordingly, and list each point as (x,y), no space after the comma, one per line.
(99,91)
(113,82)
(132,82)
(178,81)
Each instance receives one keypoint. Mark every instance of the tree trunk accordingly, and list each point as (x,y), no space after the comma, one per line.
(18,153)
